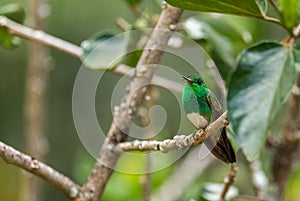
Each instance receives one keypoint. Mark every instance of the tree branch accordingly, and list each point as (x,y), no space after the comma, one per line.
(133,97)
(32,165)
(178,141)
(40,37)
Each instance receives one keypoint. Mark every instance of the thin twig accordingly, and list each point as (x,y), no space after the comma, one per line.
(40,37)
(178,141)
(228,181)
(130,101)
(123,24)
(32,165)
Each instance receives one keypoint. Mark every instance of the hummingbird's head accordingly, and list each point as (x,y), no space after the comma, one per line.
(194,79)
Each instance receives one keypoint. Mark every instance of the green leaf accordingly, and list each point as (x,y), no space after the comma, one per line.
(289,12)
(103,50)
(261,83)
(237,7)
(16,13)
(296,52)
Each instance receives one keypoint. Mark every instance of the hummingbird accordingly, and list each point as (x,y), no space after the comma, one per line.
(202,107)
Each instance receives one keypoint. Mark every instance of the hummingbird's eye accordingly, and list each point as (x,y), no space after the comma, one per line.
(199,82)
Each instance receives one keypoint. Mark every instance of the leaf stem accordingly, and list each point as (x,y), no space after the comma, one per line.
(271,19)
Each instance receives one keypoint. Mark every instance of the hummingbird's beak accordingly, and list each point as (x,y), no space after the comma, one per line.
(186,79)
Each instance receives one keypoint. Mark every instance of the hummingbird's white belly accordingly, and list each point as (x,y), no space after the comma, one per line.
(198,120)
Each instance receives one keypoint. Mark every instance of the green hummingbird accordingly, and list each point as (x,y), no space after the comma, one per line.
(202,107)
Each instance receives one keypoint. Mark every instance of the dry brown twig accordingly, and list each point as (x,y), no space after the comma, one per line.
(228,181)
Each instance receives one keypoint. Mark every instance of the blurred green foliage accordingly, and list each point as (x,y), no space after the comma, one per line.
(75,21)
(14,12)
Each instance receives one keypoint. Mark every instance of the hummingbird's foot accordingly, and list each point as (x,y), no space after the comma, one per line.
(203,128)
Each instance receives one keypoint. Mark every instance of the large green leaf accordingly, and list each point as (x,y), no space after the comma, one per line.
(237,7)
(289,12)
(259,86)
(14,12)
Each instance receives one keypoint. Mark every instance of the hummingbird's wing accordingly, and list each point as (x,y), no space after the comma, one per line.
(215,105)
(219,143)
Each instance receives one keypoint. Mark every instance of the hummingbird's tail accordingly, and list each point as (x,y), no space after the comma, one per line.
(221,147)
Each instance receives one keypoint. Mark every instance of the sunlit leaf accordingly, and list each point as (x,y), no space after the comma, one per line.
(103,50)
(289,12)
(246,7)
(14,12)
(259,86)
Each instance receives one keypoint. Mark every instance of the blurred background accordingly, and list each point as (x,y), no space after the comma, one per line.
(75,21)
